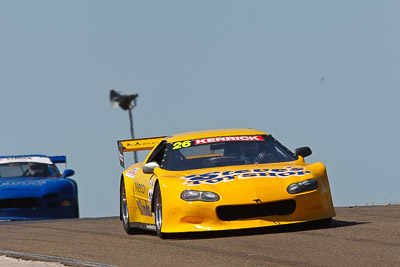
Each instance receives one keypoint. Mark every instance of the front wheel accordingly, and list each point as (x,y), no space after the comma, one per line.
(158,212)
(76,209)
(125,212)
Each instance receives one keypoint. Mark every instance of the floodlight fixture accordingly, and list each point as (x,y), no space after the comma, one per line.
(124,101)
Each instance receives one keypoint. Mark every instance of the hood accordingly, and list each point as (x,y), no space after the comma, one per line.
(238,173)
(262,181)
(24,182)
(30,187)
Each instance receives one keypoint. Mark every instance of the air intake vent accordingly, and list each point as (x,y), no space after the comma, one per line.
(237,212)
(19,203)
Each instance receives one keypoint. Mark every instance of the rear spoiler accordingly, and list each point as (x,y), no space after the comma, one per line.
(58,159)
(136,145)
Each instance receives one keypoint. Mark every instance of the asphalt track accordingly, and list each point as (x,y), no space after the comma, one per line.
(358,236)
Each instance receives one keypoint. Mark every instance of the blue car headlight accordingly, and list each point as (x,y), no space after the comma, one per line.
(193,195)
(304,186)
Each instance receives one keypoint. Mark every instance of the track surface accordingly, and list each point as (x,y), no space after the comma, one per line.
(358,236)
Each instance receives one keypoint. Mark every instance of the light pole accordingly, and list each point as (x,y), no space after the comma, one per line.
(124,101)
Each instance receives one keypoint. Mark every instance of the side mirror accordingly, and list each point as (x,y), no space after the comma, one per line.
(68,173)
(148,168)
(304,151)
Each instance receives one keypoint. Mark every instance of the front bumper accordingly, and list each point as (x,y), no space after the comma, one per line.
(214,216)
(34,208)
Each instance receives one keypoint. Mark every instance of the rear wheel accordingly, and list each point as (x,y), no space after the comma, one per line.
(125,212)
(158,212)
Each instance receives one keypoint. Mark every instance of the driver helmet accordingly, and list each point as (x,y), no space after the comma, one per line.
(244,150)
(250,149)
(35,169)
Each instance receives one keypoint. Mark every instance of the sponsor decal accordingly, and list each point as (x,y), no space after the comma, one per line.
(150,190)
(25,159)
(26,183)
(150,195)
(152,180)
(217,177)
(144,207)
(228,138)
(188,143)
(140,188)
(131,173)
(152,143)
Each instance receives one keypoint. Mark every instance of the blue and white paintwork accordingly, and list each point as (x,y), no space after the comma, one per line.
(32,198)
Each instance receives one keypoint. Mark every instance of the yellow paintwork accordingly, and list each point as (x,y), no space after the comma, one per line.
(140,144)
(136,145)
(242,188)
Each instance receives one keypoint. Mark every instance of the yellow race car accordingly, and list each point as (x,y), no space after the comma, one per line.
(220,180)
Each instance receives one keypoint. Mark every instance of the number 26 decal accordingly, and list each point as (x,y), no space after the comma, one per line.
(178,145)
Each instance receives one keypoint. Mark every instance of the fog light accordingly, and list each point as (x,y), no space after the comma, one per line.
(65,203)
(304,186)
(193,195)
(294,189)
(309,184)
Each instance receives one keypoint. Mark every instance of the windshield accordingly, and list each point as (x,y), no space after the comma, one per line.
(28,169)
(225,151)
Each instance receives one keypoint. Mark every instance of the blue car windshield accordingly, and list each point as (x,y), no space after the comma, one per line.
(28,169)
(225,151)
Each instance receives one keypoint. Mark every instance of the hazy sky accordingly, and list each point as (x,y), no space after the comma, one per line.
(323,74)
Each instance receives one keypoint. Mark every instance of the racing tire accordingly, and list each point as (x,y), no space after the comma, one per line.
(125,212)
(76,209)
(158,212)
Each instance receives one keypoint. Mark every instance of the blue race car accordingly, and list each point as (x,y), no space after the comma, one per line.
(32,188)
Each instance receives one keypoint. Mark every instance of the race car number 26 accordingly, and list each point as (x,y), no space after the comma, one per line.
(179,145)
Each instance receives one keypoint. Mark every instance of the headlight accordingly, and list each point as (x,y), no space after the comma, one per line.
(303,186)
(192,195)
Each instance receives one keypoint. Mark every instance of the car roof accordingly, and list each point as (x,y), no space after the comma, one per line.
(213,133)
